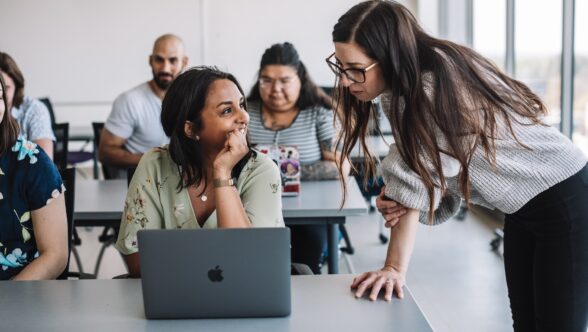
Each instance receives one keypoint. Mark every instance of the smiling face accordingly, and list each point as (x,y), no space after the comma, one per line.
(223,112)
(279,87)
(350,55)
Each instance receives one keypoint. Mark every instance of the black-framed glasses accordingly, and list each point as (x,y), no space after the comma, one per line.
(356,75)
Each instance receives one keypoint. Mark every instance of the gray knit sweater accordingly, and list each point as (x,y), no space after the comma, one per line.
(520,174)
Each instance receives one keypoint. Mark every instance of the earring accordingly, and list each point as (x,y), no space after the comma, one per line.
(197,137)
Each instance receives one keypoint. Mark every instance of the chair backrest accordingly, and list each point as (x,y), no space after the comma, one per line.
(130,173)
(60,146)
(97,127)
(328,90)
(47,102)
(68,176)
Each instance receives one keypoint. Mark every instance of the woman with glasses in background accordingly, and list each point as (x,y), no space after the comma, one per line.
(287,108)
(465,130)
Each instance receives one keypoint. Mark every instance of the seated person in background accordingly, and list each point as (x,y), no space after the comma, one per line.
(208,176)
(33,223)
(133,126)
(31,115)
(287,108)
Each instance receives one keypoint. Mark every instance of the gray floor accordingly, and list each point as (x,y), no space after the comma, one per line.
(457,281)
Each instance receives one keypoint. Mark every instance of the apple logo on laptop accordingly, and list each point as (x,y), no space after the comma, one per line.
(216,274)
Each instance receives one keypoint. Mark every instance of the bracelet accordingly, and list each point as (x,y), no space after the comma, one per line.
(224,183)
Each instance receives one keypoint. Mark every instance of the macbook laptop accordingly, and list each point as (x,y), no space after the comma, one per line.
(215,273)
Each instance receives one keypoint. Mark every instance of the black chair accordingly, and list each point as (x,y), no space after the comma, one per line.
(60,152)
(130,173)
(107,237)
(68,175)
(73,157)
(47,102)
(97,127)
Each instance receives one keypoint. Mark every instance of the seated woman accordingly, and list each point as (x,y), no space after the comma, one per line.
(33,222)
(31,115)
(207,177)
(287,108)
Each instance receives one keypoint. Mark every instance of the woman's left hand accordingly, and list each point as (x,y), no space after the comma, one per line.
(235,149)
(391,210)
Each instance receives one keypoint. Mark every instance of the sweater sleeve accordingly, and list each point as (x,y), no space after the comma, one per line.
(406,187)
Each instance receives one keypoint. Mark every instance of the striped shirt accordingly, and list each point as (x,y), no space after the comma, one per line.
(311,127)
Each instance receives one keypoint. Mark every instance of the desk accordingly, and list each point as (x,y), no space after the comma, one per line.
(86,134)
(81,133)
(378,147)
(319,303)
(100,203)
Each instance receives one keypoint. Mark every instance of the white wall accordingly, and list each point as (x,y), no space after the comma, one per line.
(82,54)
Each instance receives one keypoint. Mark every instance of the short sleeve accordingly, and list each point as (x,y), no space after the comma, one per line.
(43,182)
(121,120)
(143,208)
(407,188)
(325,127)
(261,192)
(39,126)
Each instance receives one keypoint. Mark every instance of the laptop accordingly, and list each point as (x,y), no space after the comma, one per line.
(213,273)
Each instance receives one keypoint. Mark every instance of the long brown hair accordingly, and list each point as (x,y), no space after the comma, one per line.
(10,68)
(8,127)
(438,89)
(184,101)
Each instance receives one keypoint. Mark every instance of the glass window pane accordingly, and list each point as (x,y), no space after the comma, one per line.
(538,29)
(490,29)
(580,130)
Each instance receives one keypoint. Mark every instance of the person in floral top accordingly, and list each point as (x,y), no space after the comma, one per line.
(33,222)
(208,176)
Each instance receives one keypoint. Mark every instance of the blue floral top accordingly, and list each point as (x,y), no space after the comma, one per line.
(28,181)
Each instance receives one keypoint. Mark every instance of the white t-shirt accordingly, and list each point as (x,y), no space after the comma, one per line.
(136,117)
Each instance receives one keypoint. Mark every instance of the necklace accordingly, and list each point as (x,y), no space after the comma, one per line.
(204,197)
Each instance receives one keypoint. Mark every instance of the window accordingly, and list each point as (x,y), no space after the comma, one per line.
(580,128)
(489,24)
(538,44)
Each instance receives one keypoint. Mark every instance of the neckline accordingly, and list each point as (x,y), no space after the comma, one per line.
(278,130)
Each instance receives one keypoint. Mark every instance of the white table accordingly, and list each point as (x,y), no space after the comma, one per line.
(100,203)
(378,147)
(86,134)
(319,303)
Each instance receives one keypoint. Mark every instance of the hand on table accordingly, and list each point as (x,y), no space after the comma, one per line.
(388,278)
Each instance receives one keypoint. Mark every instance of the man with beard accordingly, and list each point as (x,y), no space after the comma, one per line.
(134,126)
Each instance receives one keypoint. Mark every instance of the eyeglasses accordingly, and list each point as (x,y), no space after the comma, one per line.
(266,82)
(356,75)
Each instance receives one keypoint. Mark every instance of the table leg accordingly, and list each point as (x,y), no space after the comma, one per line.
(95,160)
(333,245)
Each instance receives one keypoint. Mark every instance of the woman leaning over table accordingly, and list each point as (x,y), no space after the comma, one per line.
(208,176)
(33,223)
(463,129)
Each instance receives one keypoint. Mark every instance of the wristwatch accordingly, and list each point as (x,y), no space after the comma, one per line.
(224,183)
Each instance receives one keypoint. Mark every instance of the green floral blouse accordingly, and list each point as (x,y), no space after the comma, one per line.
(153,200)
